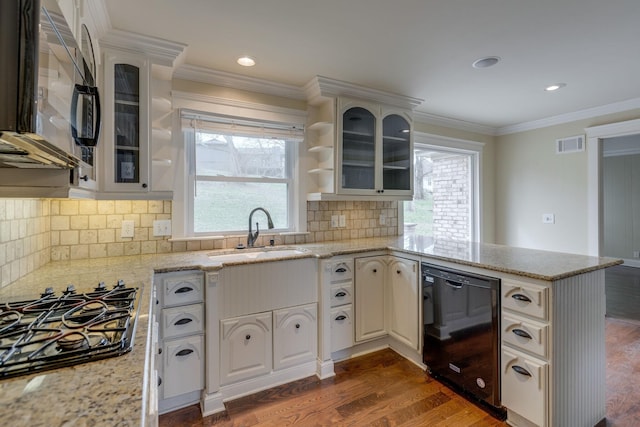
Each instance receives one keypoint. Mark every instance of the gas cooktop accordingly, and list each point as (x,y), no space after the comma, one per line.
(53,331)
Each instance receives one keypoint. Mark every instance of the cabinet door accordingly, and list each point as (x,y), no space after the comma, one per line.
(370,297)
(525,386)
(357,149)
(245,347)
(295,336)
(183,366)
(403,297)
(341,327)
(183,320)
(397,154)
(126,136)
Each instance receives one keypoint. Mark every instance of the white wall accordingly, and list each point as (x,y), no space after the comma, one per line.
(531,179)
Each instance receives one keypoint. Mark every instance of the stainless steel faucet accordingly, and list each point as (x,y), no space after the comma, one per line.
(252,237)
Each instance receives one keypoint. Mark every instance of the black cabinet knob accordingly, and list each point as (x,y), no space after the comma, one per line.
(247,337)
(297,325)
(144,185)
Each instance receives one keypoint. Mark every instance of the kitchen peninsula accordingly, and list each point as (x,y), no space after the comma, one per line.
(118,391)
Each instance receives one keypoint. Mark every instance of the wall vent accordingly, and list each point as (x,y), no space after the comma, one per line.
(570,144)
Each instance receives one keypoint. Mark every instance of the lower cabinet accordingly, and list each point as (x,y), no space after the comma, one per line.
(370,279)
(256,344)
(183,365)
(341,327)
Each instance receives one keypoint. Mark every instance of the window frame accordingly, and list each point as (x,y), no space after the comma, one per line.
(459,146)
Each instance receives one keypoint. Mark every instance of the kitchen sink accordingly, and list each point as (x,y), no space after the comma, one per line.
(258,254)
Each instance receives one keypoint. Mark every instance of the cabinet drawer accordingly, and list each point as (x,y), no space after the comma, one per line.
(341,294)
(342,270)
(183,320)
(525,334)
(524,386)
(295,336)
(183,366)
(341,327)
(525,298)
(180,289)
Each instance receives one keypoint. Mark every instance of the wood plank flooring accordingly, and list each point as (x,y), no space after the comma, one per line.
(383,389)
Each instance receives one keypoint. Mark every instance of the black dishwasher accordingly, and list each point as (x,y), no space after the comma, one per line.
(462,333)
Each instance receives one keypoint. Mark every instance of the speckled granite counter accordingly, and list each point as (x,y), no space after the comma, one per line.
(111,392)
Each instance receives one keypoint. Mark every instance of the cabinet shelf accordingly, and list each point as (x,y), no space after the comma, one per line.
(358,164)
(389,167)
(318,148)
(320,170)
(398,139)
(320,127)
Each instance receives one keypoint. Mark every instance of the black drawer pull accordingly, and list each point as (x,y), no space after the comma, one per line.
(159,381)
(398,271)
(520,297)
(341,317)
(341,270)
(182,322)
(521,370)
(341,294)
(522,333)
(247,337)
(184,290)
(159,350)
(297,325)
(375,271)
(184,352)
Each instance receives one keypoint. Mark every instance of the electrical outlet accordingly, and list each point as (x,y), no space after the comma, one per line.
(383,219)
(128,228)
(343,221)
(548,218)
(335,222)
(162,227)
(636,254)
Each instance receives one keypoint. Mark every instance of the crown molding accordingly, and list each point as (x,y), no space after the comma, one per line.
(323,87)
(236,81)
(588,113)
(160,51)
(432,119)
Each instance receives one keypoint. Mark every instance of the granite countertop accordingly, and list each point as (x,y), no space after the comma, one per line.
(111,392)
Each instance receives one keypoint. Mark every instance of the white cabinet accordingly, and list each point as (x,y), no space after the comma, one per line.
(181,354)
(340,285)
(295,336)
(126,123)
(387,299)
(359,149)
(370,279)
(375,150)
(525,385)
(245,347)
(403,296)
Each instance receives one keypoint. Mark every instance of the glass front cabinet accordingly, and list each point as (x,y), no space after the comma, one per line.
(126,148)
(375,149)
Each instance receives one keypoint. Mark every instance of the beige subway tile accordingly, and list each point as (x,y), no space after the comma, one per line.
(324,225)
(106,235)
(369,232)
(207,245)
(115,249)
(146,220)
(132,217)
(87,207)
(69,207)
(313,206)
(123,207)
(314,226)
(5,231)
(218,244)
(148,247)
(156,206)
(132,248)
(60,253)
(88,236)
(141,234)
(178,247)
(79,252)
(163,246)
(79,222)
(163,216)
(3,209)
(98,250)
(194,245)
(140,206)
(69,237)
(106,207)
(10,209)
(167,207)
(114,221)
(97,222)
(60,222)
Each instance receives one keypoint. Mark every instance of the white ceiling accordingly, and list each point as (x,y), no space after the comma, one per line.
(418,48)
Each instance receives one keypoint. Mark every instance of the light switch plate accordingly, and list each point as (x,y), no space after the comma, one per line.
(128,228)
(548,218)
(335,222)
(343,221)
(162,227)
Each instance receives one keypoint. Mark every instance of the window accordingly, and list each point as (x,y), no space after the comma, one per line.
(236,166)
(445,201)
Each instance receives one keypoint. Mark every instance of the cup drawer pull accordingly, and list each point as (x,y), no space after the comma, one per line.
(341,317)
(341,270)
(520,297)
(341,294)
(184,290)
(522,333)
(184,352)
(521,370)
(182,322)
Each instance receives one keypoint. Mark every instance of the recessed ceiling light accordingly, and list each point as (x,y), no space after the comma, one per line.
(555,86)
(246,61)
(486,62)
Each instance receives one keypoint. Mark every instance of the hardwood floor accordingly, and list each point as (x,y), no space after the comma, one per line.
(383,389)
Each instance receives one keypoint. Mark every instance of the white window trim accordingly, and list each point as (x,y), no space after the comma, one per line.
(242,109)
(474,150)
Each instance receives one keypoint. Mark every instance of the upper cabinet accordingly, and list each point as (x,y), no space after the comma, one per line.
(374,150)
(358,148)
(126,125)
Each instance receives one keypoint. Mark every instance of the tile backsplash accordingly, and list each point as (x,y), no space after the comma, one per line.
(34,232)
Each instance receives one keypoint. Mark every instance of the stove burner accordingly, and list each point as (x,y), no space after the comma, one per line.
(50,332)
